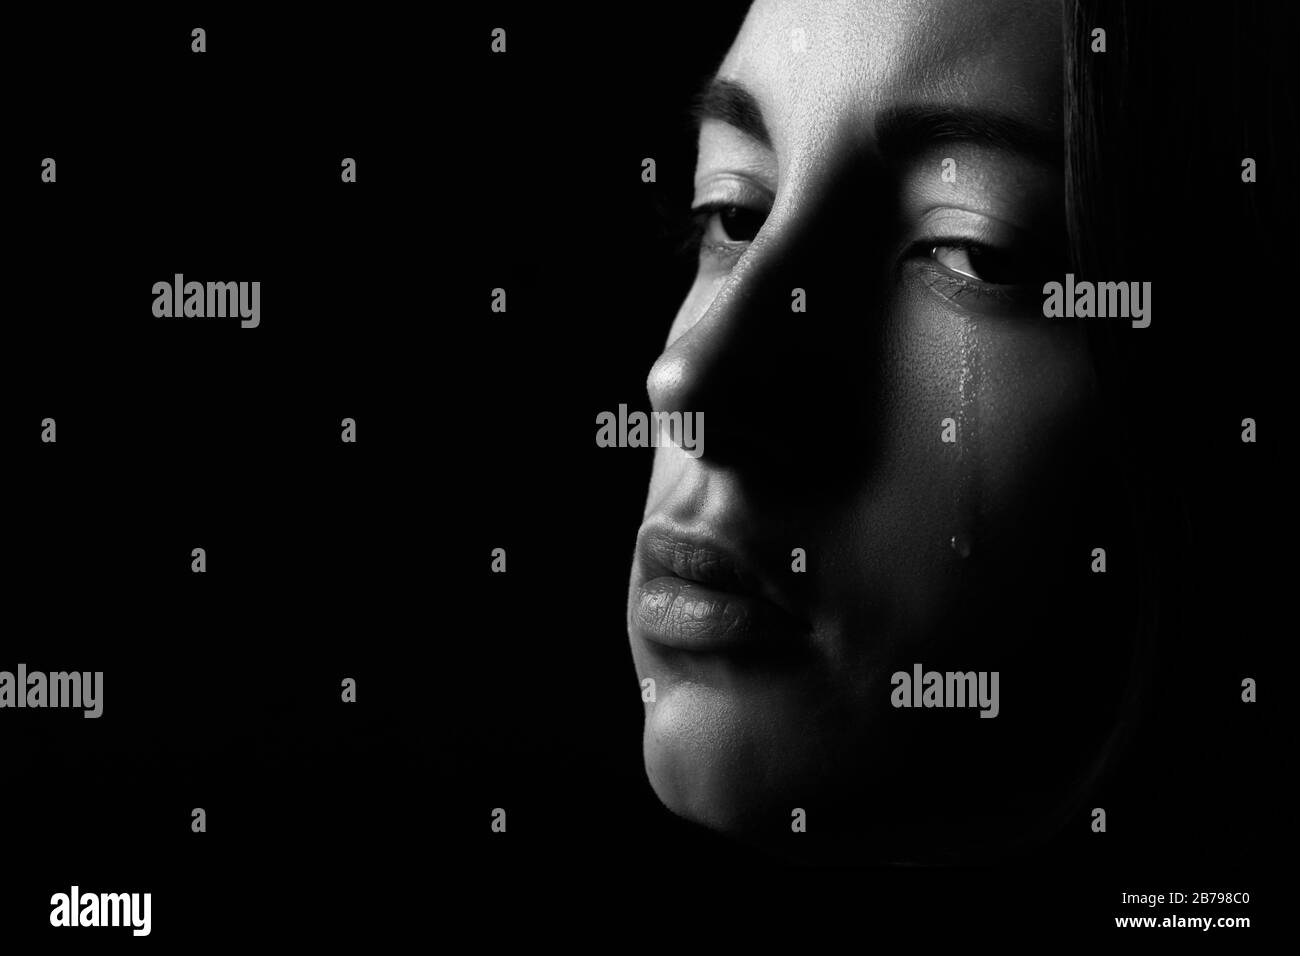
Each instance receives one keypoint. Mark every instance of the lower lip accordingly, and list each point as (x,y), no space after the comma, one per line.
(689,616)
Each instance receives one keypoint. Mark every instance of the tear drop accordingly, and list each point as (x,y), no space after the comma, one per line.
(961,544)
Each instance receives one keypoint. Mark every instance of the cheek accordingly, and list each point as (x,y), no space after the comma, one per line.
(1036,387)
(983,422)
(977,459)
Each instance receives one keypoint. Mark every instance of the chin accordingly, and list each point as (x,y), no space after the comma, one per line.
(710,762)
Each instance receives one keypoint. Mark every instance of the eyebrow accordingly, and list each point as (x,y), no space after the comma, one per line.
(731,103)
(901,132)
(907,131)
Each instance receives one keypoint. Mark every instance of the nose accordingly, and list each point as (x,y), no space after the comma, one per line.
(779,388)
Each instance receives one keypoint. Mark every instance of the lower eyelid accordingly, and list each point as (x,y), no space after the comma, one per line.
(957,289)
(947,283)
(721,252)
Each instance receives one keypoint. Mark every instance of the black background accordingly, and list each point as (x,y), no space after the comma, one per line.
(475,431)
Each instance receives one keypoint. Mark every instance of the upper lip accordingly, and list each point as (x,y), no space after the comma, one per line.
(699,555)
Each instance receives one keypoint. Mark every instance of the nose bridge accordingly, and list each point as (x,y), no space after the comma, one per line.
(738,329)
(754,311)
(765,362)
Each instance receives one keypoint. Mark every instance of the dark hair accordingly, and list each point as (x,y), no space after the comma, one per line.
(1157,128)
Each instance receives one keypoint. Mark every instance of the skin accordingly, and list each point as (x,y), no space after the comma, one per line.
(824,433)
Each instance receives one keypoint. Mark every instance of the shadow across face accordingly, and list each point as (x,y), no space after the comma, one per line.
(869,599)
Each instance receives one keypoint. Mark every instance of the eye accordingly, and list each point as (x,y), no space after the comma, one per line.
(981,263)
(725,223)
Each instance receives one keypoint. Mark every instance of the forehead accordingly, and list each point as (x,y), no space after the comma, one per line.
(820,67)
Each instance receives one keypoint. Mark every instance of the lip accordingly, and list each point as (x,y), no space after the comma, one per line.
(696,594)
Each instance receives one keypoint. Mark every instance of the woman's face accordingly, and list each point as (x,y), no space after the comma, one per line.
(909,421)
